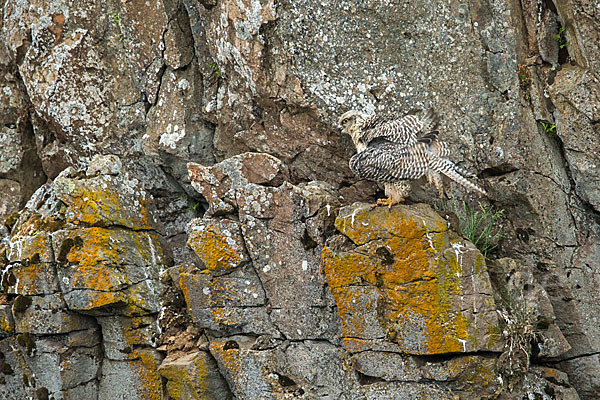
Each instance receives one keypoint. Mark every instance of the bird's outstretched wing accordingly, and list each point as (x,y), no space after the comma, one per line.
(435,146)
(402,131)
(384,161)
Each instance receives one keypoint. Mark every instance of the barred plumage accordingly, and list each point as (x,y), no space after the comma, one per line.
(394,151)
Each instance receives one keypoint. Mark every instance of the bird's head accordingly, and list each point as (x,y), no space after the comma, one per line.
(351,123)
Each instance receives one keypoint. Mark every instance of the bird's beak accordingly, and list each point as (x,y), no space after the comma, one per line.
(339,128)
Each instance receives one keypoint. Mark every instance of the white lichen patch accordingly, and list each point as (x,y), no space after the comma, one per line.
(173,135)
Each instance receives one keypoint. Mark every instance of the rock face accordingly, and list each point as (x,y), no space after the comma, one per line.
(179,220)
(409,284)
(83,264)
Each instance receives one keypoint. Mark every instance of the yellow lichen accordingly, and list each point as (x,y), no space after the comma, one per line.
(100,202)
(6,323)
(146,366)
(215,249)
(229,357)
(179,383)
(411,292)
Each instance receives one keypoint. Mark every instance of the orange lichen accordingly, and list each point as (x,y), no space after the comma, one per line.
(215,249)
(410,290)
(363,224)
(134,332)
(229,357)
(6,323)
(30,279)
(184,277)
(100,202)
(34,248)
(179,383)
(224,317)
(146,367)
(102,251)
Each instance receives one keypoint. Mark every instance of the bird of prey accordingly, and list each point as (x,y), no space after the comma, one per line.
(393,151)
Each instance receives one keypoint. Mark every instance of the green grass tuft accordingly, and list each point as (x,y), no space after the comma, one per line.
(479,225)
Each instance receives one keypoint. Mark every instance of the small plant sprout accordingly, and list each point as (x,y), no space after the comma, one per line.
(549,127)
(215,68)
(523,73)
(560,38)
(524,80)
(117,20)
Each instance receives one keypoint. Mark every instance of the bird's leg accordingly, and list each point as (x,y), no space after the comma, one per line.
(439,184)
(430,178)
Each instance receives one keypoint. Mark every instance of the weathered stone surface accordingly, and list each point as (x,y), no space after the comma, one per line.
(387,366)
(105,201)
(311,370)
(174,124)
(233,303)
(122,335)
(194,376)
(405,391)
(220,183)
(12,154)
(574,92)
(246,371)
(48,315)
(524,295)
(287,258)
(11,197)
(105,165)
(553,381)
(62,366)
(411,281)
(574,295)
(81,75)
(60,363)
(136,379)
(12,372)
(581,20)
(86,78)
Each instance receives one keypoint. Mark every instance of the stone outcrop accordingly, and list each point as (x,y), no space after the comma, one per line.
(82,264)
(178,219)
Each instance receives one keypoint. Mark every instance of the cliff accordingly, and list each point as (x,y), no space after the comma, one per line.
(179,218)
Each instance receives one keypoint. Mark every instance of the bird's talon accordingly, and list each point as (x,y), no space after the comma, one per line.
(387,202)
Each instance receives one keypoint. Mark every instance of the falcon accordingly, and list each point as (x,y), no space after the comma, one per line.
(394,151)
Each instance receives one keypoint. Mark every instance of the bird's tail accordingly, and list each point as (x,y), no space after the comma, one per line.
(449,169)
(464,172)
